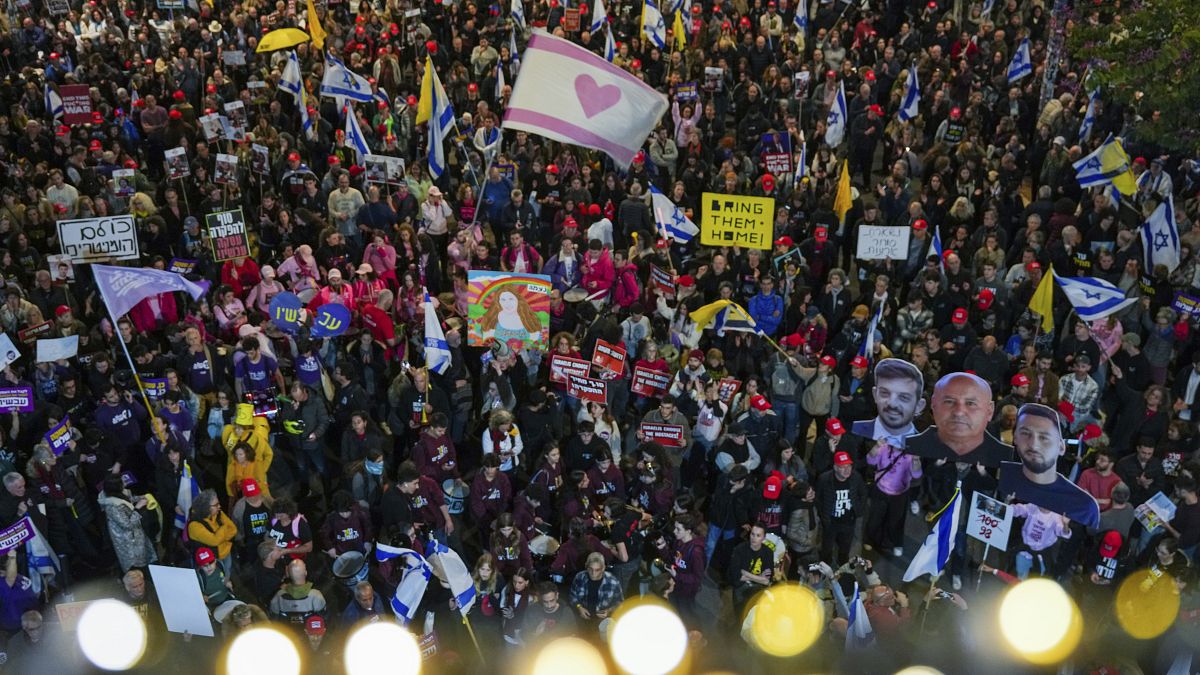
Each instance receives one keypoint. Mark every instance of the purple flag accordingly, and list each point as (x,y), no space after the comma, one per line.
(124,287)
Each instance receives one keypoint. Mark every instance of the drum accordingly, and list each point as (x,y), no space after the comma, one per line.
(350,568)
(456,496)
(543,549)
(575,295)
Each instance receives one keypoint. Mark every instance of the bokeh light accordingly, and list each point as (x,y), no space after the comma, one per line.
(786,620)
(569,655)
(648,639)
(111,635)
(262,650)
(919,670)
(1040,622)
(382,646)
(1146,605)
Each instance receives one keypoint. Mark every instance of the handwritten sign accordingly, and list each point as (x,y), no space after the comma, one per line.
(664,434)
(662,280)
(77,103)
(726,389)
(587,388)
(562,367)
(882,243)
(19,399)
(731,220)
(227,235)
(1186,304)
(59,437)
(648,382)
(609,357)
(331,320)
(990,521)
(99,239)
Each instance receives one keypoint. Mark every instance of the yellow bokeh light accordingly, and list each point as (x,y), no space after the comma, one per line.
(382,646)
(1146,605)
(262,650)
(648,639)
(569,655)
(1040,622)
(919,670)
(111,635)
(786,620)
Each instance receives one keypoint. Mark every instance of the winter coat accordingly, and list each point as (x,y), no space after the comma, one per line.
(129,540)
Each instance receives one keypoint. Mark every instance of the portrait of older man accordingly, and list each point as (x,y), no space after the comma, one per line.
(962,406)
(1039,443)
(899,398)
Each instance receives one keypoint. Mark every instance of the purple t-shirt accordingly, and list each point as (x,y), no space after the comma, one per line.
(256,376)
(15,601)
(308,371)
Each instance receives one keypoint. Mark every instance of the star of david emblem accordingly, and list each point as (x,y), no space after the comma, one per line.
(1161,241)
(346,79)
(678,217)
(834,117)
(1092,296)
(1093,163)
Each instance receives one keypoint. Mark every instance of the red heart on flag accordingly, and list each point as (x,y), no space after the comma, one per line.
(595,98)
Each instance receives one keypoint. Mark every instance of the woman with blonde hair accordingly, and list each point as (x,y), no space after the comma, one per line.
(503,438)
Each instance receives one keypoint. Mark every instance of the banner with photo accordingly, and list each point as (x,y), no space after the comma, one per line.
(513,309)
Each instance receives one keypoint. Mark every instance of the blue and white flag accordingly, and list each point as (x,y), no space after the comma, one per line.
(40,557)
(934,553)
(1093,298)
(674,222)
(1089,117)
(512,49)
(188,489)
(858,625)
(441,123)
(123,287)
(610,45)
(381,96)
(133,98)
(1021,64)
(437,350)
(987,7)
(734,318)
(341,81)
(867,349)
(355,138)
(1160,237)
(835,123)
(801,164)
(599,16)
(450,568)
(910,104)
(935,248)
(499,78)
(517,9)
(653,26)
(674,6)
(290,81)
(413,581)
(54,103)
(801,17)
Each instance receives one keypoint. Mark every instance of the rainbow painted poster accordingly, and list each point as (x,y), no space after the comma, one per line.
(509,308)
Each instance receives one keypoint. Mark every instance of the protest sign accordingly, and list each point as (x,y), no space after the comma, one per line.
(285,312)
(331,320)
(506,169)
(58,7)
(260,159)
(714,78)
(211,125)
(990,521)
(726,389)
(57,348)
(730,220)
(648,382)
(1186,304)
(156,387)
(225,169)
(181,601)
(177,163)
(101,239)
(19,399)
(662,280)
(882,243)
(60,267)
(77,103)
(665,434)
(227,235)
(609,357)
(8,351)
(509,308)
(587,388)
(376,168)
(777,152)
(688,91)
(32,333)
(59,437)
(562,367)
(124,182)
(69,612)
(570,21)
(181,266)
(14,535)
(172,4)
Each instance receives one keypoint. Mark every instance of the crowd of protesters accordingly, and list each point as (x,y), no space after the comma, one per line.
(310,449)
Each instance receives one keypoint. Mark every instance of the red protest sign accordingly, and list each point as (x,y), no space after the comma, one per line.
(664,434)
(562,366)
(662,280)
(587,389)
(609,357)
(32,333)
(727,388)
(77,103)
(647,382)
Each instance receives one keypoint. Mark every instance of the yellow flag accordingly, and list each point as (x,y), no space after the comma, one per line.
(314,26)
(281,39)
(680,34)
(703,316)
(1042,302)
(1114,157)
(425,105)
(842,202)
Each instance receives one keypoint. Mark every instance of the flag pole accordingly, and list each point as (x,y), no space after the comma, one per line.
(162,434)
(471,632)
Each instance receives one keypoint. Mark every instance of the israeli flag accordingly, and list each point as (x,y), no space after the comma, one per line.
(987,7)
(674,223)
(867,349)
(910,105)
(413,581)
(133,97)
(306,122)
(653,26)
(517,8)
(801,17)
(1093,298)
(610,45)
(441,122)
(40,557)
(449,568)
(188,489)
(675,6)
(437,350)
(341,81)
(512,49)
(1021,64)
(935,551)
(290,80)
(801,165)
(599,16)
(354,136)
(1089,117)
(381,95)
(54,103)
(935,247)
(835,123)
(1160,237)
(858,629)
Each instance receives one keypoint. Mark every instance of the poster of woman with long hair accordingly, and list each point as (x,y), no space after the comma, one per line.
(510,308)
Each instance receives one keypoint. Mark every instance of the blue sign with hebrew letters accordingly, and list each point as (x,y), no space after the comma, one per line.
(331,320)
(285,312)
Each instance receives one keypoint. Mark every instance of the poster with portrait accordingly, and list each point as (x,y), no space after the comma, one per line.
(1034,477)
(177,163)
(962,407)
(260,159)
(899,399)
(225,172)
(211,125)
(123,182)
(395,170)
(777,152)
(61,268)
(235,111)
(376,168)
(509,308)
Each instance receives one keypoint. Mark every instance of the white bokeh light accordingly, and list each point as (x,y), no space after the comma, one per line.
(648,640)
(382,647)
(111,635)
(262,650)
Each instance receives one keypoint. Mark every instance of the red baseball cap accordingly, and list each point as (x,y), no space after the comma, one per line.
(875,108)
(250,488)
(956,112)
(553,168)
(1092,432)
(205,556)
(175,115)
(859,361)
(62,309)
(314,625)
(842,458)
(1019,380)
(821,233)
(686,281)
(179,95)
(829,361)
(293,156)
(784,241)
(95,144)
(759,402)
(959,317)
(1067,410)
(472,87)
(986,297)
(793,340)
(919,224)
(773,486)
(768,182)
(1035,265)
(1111,544)
(834,427)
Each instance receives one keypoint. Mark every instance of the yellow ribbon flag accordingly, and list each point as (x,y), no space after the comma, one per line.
(314,26)
(425,105)
(842,202)
(1042,302)
(281,39)
(680,33)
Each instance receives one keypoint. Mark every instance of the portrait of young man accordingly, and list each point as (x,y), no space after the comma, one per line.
(1034,479)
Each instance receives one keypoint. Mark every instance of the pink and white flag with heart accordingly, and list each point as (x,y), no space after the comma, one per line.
(569,94)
